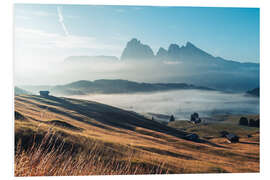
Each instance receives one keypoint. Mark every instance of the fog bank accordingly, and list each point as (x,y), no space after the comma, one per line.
(181,103)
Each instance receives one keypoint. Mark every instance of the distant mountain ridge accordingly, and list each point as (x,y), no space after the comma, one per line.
(186,63)
(189,53)
(106,86)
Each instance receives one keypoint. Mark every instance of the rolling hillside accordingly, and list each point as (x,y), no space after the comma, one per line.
(110,86)
(126,136)
(19,91)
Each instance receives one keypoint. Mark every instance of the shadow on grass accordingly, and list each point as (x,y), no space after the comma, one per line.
(107,115)
(165,152)
(253,143)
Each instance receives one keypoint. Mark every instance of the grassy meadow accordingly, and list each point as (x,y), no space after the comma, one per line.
(61,136)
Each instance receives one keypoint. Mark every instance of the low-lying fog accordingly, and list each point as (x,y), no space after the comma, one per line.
(181,103)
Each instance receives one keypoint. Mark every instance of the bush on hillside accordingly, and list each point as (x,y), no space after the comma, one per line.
(243,121)
(252,123)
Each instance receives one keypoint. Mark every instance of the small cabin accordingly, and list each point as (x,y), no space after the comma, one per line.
(44,93)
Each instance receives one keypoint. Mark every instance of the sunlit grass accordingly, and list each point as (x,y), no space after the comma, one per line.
(105,150)
(48,158)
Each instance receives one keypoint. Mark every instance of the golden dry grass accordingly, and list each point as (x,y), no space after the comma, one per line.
(49,159)
(134,145)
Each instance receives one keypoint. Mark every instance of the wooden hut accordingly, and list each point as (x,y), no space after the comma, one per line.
(44,93)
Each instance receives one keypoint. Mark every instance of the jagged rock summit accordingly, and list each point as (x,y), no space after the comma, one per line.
(162,53)
(188,52)
(136,50)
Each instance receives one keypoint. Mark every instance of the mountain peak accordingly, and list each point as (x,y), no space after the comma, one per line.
(173,48)
(162,53)
(134,41)
(190,45)
(190,50)
(136,50)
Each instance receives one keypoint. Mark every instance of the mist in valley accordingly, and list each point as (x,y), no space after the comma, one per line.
(181,103)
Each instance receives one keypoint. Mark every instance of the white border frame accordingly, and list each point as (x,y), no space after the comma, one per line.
(7,134)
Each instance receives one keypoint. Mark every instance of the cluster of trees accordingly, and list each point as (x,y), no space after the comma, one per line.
(251,122)
(195,118)
(172,118)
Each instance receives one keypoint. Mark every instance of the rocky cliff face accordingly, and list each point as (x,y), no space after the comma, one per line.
(174,52)
(136,50)
(162,53)
(189,52)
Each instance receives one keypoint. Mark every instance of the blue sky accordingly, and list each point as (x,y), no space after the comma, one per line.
(53,32)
